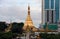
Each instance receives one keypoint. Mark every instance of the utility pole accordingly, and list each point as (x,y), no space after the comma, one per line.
(46,29)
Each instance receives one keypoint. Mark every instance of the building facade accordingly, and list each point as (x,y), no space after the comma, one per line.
(50,11)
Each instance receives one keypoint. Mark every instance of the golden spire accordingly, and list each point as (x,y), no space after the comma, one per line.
(28,10)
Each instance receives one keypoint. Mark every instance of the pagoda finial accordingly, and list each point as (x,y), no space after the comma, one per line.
(28,10)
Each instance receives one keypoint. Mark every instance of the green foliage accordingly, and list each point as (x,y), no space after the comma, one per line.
(8,35)
(49,36)
(2,26)
(17,27)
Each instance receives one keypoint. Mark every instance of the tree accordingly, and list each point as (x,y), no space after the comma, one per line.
(8,35)
(50,36)
(58,36)
(3,25)
(17,27)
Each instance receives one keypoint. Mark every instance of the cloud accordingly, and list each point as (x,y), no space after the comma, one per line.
(16,10)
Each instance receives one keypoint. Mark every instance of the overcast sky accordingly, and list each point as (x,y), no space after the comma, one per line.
(16,10)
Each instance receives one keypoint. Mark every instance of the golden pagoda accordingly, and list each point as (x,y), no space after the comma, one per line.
(28,22)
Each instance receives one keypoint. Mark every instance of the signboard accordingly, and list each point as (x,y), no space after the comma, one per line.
(51,26)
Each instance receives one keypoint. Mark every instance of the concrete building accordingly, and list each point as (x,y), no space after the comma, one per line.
(50,11)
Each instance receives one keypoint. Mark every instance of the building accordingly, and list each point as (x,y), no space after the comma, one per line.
(28,25)
(59,26)
(50,11)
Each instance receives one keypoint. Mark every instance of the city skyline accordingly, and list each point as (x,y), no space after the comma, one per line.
(16,10)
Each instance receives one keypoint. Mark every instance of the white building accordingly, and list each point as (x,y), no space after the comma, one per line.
(59,26)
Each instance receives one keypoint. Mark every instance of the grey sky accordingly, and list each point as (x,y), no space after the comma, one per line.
(16,10)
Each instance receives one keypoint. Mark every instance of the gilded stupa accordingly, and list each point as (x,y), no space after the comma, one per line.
(28,22)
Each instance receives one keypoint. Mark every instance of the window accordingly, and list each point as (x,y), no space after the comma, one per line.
(47,15)
(46,4)
(52,16)
(52,4)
